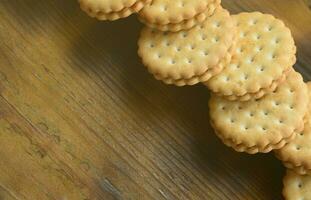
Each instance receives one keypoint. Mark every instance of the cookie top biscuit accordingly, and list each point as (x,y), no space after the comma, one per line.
(108,6)
(185,54)
(296,186)
(196,79)
(174,11)
(112,9)
(265,50)
(298,151)
(259,123)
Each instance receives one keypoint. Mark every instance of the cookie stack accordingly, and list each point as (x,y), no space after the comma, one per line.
(296,156)
(258,100)
(188,57)
(259,103)
(167,15)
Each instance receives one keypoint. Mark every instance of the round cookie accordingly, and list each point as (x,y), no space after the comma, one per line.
(296,155)
(195,79)
(112,9)
(265,51)
(168,15)
(264,124)
(296,187)
(207,75)
(193,55)
(255,149)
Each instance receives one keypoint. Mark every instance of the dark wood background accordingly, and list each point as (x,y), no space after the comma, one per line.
(80,117)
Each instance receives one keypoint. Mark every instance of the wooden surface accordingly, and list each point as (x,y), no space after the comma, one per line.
(80,117)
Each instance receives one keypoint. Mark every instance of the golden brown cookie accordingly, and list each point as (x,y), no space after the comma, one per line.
(265,124)
(296,155)
(265,51)
(296,187)
(188,57)
(255,149)
(112,9)
(167,15)
(207,75)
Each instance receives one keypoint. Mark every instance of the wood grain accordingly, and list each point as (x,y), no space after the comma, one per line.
(80,117)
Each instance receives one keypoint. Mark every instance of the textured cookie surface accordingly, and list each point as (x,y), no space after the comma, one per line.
(265,51)
(263,123)
(296,187)
(195,79)
(187,54)
(255,149)
(112,9)
(168,11)
(152,14)
(297,154)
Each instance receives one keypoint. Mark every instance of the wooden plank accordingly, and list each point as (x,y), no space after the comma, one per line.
(6,195)
(82,119)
